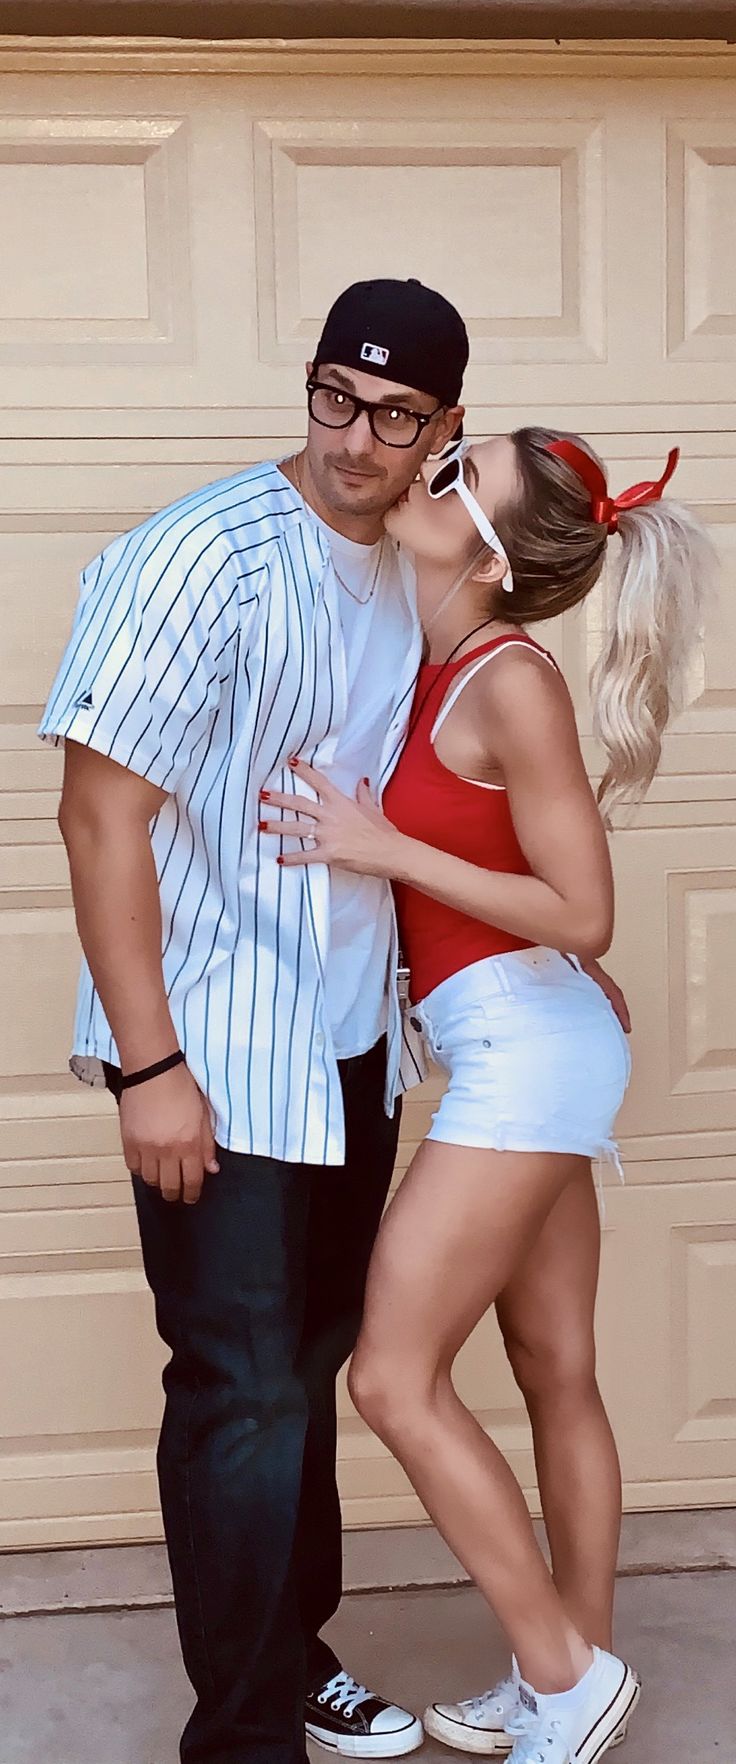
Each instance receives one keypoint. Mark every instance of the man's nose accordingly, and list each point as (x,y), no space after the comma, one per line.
(359,438)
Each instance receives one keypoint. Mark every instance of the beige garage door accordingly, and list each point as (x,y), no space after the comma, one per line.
(171,235)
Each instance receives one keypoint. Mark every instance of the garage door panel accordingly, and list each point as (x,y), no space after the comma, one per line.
(127,250)
(701,246)
(61,1334)
(532,185)
(676,928)
(703,1286)
(701,925)
(666,1330)
(29,782)
(94,1460)
(39,958)
(96,260)
(52,1117)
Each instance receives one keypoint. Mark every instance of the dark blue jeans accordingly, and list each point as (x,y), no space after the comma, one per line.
(259,1293)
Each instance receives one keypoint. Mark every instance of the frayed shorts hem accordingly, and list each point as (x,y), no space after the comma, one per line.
(443,1134)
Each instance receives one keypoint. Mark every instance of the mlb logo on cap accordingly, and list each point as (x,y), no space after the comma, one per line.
(375,354)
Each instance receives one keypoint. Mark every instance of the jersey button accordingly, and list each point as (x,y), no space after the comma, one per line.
(415,1023)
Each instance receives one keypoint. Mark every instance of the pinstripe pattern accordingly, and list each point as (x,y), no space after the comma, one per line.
(202,654)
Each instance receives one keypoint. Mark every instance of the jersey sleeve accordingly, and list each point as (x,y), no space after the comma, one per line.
(154,638)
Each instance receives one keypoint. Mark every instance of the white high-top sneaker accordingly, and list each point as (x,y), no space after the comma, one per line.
(551,1730)
(479,1724)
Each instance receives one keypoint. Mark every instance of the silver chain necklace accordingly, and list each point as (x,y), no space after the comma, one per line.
(360,599)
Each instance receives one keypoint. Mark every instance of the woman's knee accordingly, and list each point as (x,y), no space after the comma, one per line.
(552,1371)
(372,1387)
(385,1396)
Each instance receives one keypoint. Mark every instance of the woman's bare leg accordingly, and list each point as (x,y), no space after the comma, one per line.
(461,1222)
(546,1313)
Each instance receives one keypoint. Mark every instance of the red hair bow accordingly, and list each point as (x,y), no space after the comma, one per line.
(604,508)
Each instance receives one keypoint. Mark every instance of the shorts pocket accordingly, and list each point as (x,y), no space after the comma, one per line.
(475,1026)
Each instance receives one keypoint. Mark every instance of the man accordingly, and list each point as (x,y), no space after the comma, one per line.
(245,1014)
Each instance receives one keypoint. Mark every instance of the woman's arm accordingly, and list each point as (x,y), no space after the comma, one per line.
(527,716)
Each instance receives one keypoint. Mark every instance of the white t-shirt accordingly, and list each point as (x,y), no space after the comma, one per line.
(361,908)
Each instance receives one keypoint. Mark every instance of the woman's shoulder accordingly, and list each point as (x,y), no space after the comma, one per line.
(516,658)
(522,684)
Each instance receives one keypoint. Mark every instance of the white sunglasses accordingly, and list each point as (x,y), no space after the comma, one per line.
(450,476)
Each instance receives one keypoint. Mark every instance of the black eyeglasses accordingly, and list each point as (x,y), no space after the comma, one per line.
(392,424)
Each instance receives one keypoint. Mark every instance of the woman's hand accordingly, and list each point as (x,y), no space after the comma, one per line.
(347,834)
(613,993)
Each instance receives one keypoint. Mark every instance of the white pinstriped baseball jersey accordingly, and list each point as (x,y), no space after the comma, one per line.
(206,648)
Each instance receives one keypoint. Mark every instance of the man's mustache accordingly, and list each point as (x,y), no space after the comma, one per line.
(355,465)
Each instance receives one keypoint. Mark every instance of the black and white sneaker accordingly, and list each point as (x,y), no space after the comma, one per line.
(344,1717)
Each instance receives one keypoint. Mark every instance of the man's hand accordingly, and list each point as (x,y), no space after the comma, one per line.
(612,991)
(167,1135)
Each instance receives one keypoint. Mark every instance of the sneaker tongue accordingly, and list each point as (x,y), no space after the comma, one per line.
(527,1697)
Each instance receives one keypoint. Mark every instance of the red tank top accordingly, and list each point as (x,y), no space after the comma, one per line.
(473,821)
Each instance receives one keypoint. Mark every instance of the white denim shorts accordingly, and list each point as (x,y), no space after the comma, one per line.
(535,1056)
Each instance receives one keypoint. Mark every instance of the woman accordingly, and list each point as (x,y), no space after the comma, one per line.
(498,855)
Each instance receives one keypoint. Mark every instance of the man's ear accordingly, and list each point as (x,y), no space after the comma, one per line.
(447,423)
(309,369)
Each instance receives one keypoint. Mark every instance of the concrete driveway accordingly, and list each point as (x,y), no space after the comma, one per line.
(107,1687)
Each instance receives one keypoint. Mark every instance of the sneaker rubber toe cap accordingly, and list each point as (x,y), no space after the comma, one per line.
(392,1719)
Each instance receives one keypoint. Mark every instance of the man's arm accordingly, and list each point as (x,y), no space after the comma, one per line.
(105,818)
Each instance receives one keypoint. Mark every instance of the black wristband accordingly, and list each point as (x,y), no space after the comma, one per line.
(142,1077)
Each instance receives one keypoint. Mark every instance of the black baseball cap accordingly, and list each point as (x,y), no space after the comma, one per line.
(398,331)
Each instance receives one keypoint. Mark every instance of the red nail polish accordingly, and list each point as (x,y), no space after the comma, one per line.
(279,860)
(366,780)
(293,760)
(262,825)
(264,795)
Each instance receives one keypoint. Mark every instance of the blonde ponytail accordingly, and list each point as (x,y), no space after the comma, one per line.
(658,592)
(661,573)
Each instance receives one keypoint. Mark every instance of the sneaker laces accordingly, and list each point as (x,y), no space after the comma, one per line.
(347,1695)
(491,1699)
(536,1733)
